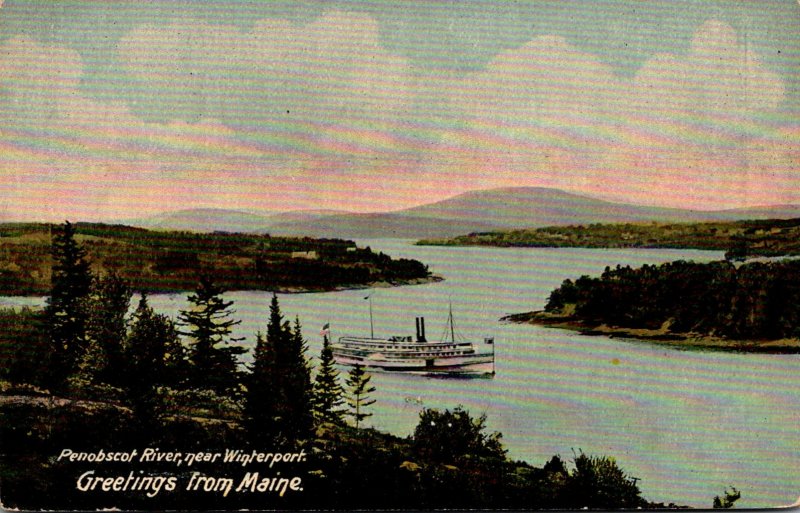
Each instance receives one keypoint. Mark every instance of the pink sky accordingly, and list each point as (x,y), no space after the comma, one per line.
(366,131)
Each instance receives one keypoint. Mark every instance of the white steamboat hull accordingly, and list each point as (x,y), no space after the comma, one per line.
(473,364)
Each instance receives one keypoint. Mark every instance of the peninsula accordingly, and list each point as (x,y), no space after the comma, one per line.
(171,261)
(753,307)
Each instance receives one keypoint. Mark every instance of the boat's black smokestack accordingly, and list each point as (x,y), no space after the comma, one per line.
(422,330)
(416,320)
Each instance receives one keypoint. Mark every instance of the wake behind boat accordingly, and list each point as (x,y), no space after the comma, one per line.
(451,357)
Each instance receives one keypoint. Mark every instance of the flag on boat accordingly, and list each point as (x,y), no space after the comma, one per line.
(326,330)
(489,340)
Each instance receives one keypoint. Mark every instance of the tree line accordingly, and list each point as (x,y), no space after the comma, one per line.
(170,261)
(84,344)
(753,301)
(739,239)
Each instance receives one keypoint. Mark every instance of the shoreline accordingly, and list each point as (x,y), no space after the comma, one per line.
(371,285)
(295,290)
(661,336)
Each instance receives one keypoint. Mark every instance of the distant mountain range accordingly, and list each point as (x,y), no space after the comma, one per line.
(477,211)
(224,220)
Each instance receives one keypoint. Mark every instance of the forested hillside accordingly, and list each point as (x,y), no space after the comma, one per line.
(750,303)
(740,239)
(165,261)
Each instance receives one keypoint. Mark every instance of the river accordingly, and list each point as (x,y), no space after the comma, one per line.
(686,423)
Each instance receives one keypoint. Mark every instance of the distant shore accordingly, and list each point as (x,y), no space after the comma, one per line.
(661,336)
(372,285)
(307,290)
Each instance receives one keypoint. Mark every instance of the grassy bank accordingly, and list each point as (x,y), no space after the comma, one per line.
(171,261)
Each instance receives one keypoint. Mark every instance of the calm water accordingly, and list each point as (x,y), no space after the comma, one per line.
(687,423)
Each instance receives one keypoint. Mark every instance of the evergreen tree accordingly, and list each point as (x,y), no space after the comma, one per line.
(279,392)
(66,307)
(265,398)
(328,392)
(109,302)
(260,400)
(213,360)
(298,388)
(150,350)
(358,390)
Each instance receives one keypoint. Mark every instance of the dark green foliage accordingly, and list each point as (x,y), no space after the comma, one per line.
(278,407)
(752,302)
(161,261)
(263,395)
(260,401)
(599,483)
(298,388)
(356,468)
(67,305)
(208,325)
(454,437)
(153,356)
(24,345)
(728,501)
(358,394)
(328,393)
(566,294)
(109,301)
(738,251)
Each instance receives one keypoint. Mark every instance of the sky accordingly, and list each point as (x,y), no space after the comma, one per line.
(113,110)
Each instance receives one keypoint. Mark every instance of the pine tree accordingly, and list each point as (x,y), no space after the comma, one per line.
(109,302)
(149,349)
(260,400)
(213,360)
(264,398)
(299,391)
(66,309)
(279,392)
(328,392)
(358,390)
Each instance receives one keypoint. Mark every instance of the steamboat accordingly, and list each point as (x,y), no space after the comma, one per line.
(453,356)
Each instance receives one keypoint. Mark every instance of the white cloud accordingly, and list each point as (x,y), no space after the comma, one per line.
(681,132)
(331,69)
(364,131)
(545,78)
(719,75)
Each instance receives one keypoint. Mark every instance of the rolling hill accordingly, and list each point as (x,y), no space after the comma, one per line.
(475,211)
(509,208)
(389,225)
(202,220)
(225,220)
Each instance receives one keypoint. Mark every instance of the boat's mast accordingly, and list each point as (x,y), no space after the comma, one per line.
(493,358)
(371,327)
(452,328)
